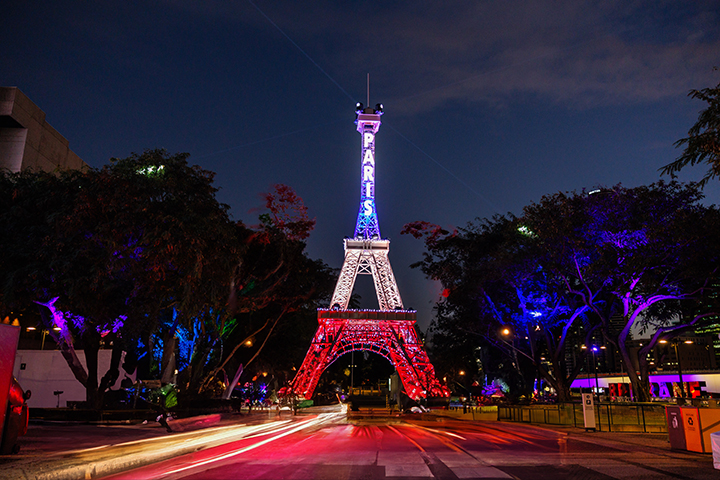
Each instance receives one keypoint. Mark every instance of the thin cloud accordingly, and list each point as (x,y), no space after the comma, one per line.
(575,53)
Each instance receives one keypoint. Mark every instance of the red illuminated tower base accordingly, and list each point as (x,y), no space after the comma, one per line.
(387,333)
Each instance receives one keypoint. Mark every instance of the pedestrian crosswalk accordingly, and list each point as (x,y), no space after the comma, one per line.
(402,470)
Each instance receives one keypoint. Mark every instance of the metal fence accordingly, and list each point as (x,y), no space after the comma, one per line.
(609,417)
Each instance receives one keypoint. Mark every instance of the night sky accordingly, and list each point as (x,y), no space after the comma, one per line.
(488,105)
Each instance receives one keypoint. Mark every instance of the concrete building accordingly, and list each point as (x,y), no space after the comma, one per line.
(27,141)
(47,375)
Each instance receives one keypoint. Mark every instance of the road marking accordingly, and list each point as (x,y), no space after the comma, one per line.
(408,470)
(479,472)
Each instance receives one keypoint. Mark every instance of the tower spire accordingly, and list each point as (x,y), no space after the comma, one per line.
(368,123)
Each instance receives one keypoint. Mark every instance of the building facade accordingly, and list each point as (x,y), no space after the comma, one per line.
(27,141)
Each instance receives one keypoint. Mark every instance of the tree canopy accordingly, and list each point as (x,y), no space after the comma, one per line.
(702,145)
(574,266)
(140,254)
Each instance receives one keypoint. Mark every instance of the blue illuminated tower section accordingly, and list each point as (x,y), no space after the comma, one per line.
(368,123)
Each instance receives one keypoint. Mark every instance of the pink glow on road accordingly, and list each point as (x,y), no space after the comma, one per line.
(288,430)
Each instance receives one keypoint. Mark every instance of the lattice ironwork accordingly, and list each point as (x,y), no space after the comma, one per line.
(367,257)
(389,334)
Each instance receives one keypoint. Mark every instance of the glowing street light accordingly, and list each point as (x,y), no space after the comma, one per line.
(679,365)
(506,332)
(594,350)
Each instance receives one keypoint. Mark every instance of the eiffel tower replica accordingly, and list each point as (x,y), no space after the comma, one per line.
(388,331)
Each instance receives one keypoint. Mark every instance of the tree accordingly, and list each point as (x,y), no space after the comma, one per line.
(119,247)
(702,145)
(633,254)
(273,278)
(571,265)
(494,281)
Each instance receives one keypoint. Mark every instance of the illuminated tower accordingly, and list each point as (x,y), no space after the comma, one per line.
(389,331)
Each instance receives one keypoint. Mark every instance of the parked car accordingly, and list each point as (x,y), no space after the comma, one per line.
(16,418)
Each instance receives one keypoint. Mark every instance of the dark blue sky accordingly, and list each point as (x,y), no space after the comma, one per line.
(489,105)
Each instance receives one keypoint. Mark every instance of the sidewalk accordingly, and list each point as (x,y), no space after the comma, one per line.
(654,440)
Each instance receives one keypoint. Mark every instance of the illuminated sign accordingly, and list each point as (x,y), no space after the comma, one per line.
(367,222)
(661,389)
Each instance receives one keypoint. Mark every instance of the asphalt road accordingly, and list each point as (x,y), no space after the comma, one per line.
(412,448)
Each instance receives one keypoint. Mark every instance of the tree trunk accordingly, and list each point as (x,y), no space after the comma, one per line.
(231,386)
(644,380)
(562,387)
(639,395)
(168,359)
(113,373)
(91,340)
(66,349)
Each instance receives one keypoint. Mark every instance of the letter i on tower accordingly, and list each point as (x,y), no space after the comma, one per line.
(368,123)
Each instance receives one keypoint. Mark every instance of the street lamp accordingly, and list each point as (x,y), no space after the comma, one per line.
(679,365)
(506,332)
(594,350)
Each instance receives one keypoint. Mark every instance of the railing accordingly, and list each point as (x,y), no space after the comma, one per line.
(370,390)
(489,412)
(609,417)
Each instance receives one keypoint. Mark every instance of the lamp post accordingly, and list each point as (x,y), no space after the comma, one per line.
(679,364)
(594,350)
(506,332)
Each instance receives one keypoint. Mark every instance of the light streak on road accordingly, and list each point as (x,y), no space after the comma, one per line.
(312,422)
(446,433)
(210,435)
(434,434)
(406,437)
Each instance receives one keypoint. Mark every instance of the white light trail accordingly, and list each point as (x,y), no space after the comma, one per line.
(209,435)
(322,418)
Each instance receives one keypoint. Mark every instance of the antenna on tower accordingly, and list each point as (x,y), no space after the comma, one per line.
(368,90)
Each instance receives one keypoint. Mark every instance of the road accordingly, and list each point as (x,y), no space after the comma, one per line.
(333,448)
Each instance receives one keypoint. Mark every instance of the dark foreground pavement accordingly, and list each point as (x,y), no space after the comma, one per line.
(327,446)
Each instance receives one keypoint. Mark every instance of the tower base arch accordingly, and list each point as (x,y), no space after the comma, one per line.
(390,334)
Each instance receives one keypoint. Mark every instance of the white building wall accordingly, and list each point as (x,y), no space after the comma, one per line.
(46,371)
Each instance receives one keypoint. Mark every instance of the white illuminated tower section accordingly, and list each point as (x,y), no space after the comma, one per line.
(367,253)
